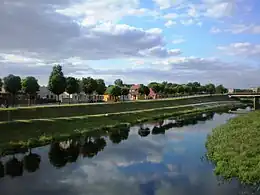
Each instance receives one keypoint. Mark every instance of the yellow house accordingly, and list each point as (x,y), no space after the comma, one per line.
(108,98)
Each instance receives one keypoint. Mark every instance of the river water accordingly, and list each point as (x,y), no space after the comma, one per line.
(159,158)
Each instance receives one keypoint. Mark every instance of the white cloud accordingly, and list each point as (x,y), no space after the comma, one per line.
(178,41)
(160,52)
(220,10)
(238,29)
(241,49)
(165,4)
(169,23)
(215,30)
(187,22)
(171,16)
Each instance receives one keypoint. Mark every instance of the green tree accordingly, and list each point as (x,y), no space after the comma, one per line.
(30,86)
(72,86)
(114,91)
(144,90)
(57,81)
(1,84)
(89,85)
(118,82)
(156,87)
(180,89)
(12,84)
(221,89)
(124,92)
(210,88)
(101,86)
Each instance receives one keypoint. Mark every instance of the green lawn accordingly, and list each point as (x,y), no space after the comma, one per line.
(235,148)
(98,108)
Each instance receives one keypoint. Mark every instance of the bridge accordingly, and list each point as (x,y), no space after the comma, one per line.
(255,96)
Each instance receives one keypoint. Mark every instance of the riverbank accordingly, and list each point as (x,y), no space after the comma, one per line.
(234,148)
(45,112)
(23,134)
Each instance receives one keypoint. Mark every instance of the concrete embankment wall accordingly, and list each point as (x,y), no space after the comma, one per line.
(44,112)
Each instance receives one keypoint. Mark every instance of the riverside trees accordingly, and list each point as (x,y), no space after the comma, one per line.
(58,84)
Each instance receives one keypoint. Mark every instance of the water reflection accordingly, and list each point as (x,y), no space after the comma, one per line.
(62,153)
(148,159)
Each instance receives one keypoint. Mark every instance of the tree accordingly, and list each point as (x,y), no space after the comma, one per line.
(221,89)
(30,86)
(101,86)
(144,90)
(57,81)
(72,86)
(89,85)
(118,82)
(156,87)
(180,89)
(114,91)
(12,84)
(124,92)
(1,84)
(210,88)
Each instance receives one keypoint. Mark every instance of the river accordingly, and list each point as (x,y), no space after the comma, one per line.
(159,158)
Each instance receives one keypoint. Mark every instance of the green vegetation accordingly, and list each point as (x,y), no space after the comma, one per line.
(40,132)
(57,81)
(99,108)
(234,148)
(72,86)
(30,87)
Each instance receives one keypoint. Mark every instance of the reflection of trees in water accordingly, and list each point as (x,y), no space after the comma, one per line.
(62,153)
(14,167)
(92,146)
(31,162)
(119,135)
(2,170)
(143,132)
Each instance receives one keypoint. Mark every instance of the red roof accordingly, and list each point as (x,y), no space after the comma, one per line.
(137,86)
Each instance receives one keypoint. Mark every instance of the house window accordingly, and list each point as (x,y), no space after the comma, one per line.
(47,96)
(51,96)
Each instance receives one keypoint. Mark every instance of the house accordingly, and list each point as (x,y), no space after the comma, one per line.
(135,95)
(152,94)
(134,92)
(109,98)
(45,93)
(80,98)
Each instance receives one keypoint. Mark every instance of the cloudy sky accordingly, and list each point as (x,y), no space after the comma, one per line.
(138,41)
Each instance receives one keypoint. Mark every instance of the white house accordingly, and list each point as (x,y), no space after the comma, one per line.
(44,92)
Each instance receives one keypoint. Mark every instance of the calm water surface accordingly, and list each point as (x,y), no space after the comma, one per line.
(150,159)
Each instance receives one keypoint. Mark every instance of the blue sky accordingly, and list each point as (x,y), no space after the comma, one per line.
(138,41)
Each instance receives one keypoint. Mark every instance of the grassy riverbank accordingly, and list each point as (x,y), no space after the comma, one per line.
(234,148)
(38,132)
(44,112)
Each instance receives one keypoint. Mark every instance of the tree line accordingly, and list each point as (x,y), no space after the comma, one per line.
(59,84)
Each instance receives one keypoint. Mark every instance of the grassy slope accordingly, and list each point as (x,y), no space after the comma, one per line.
(235,148)
(24,134)
(99,108)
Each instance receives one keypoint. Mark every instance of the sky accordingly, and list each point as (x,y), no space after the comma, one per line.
(138,41)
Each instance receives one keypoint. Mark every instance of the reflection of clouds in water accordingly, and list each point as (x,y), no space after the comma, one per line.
(156,164)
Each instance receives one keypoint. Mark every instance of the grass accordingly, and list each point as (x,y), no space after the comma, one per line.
(234,148)
(43,112)
(23,134)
